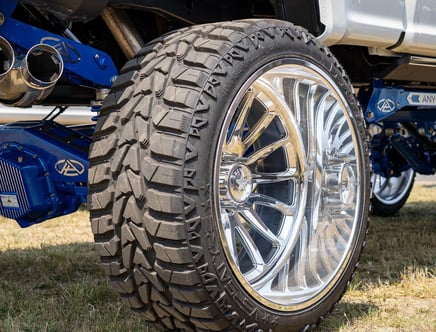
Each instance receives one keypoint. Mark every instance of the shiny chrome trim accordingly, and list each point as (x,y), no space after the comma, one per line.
(72,116)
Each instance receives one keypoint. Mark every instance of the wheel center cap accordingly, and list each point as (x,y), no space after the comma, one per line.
(240,183)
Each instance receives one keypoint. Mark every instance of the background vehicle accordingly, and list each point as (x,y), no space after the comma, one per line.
(229,165)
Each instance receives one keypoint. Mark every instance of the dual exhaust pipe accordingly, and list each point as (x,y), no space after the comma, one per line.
(30,79)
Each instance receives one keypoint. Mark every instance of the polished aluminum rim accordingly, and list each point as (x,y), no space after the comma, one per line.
(287,184)
(390,191)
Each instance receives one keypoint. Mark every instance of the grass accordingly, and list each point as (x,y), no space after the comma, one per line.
(50,279)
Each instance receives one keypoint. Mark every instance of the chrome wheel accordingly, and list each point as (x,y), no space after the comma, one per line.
(288,174)
(390,191)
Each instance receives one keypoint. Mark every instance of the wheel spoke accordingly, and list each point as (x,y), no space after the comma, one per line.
(323,103)
(283,278)
(257,224)
(332,116)
(241,119)
(284,208)
(299,266)
(229,231)
(293,134)
(295,102)
(267,178)
(248,243)
(234,141)
(340,136)
(287,249)
(308,124)
(348,148)
(264,152)
(258,129)
(325,254)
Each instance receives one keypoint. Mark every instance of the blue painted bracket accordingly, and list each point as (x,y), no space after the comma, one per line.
(387,100)
(83,65)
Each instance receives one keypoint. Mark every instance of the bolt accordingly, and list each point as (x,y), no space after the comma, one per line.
(375,130)
(370,115)
(101,94)
(2,18)
(230,212)
(403,131)
(100,60)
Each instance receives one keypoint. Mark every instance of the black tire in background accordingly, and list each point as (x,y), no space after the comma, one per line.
(390,194)
(229,184)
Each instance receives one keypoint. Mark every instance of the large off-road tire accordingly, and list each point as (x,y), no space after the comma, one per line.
(390,194)
(229,185)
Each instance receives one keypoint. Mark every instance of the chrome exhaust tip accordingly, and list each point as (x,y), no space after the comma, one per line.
(42,67)
(30,80)
(7,58)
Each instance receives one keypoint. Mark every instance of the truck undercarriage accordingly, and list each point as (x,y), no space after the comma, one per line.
(227,164)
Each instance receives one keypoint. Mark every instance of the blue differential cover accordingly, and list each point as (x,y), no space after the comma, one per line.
(25,187)
(43,170)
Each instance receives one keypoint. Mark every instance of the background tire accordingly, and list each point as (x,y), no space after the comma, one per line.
(166,180)
(390,194)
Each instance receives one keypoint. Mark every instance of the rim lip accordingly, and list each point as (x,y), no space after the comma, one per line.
(360,194)
(407,174)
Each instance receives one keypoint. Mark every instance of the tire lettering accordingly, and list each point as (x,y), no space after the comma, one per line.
(193,224)
(264,316)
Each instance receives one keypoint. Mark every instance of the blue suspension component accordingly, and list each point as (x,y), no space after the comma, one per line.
(83,65)
(386,100)
(43,170)
(402,123)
